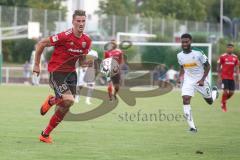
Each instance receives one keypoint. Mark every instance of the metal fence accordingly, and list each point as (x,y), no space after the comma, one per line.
(104,27)
(165,27)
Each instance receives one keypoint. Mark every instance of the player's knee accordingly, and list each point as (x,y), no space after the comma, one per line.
(68,100)
(68,103)
(230,94)
(186,100)
(209,101)
(116,87)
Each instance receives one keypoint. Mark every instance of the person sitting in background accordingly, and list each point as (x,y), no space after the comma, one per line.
(172,75)
(162,76)
(155,75)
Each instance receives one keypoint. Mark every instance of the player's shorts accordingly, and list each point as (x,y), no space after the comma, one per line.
(228,84)
(116,79)
(188,89)
(62,82)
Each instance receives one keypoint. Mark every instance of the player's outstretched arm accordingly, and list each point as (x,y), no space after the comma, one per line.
(39,49)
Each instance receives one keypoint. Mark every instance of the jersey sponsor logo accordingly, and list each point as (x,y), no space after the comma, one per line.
(229,63)
(84,44)
(75,50)
(190,65)
(55,38)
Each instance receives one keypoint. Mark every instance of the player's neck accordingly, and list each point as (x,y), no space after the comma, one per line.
(229,53)
(187,51)
(77,34)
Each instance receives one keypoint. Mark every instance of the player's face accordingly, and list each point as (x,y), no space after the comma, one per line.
(230,49)
(79,23)
(186,43)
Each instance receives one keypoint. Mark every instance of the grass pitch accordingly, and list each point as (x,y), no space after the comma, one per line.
(126,133)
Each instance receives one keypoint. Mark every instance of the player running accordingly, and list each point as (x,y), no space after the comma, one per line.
(227,63)
(69,47)
(194,68)
(116,54)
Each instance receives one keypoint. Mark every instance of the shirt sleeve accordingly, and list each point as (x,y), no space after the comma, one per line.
(105,55)
(203,58)
(237,62)
(58,39)
(220,60)
(179,61)
(88,46)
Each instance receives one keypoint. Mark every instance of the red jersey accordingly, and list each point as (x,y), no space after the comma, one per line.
(228,62)
(117,54)
(67,50)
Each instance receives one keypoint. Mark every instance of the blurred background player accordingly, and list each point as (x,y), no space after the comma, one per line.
(87,75)
(227,63)
(69,47)
(195,68)
(116,54)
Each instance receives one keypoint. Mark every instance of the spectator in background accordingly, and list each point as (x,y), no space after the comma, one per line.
(162,76)
(124,70)
(26,72)
(155,75)
(172,75)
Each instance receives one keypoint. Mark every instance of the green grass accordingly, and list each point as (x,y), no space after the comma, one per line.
(110,137)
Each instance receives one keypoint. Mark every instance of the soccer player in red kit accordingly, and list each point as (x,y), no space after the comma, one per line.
(117,54)
(227,64)
(69,47)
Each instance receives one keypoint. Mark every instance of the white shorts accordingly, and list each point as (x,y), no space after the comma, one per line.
(188,89)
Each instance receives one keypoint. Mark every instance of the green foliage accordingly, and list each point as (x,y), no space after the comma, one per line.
(18,51)
(41,4)
(116,7)
(184,9)
(160,54)
(199,37)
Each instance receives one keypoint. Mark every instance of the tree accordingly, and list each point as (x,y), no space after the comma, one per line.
(230,9)
(41,4)
(116,7)
(184,9)
(20,50)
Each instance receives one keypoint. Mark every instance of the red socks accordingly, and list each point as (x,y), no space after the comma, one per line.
(110,90)
(54,121)
(224,97)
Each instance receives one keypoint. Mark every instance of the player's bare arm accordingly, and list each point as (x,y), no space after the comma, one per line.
(237,74)
(39,50)
(181,73)
(219,71)
(205,74)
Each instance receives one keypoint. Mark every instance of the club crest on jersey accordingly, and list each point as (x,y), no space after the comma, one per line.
(71,43)
(84,44)
(55,38)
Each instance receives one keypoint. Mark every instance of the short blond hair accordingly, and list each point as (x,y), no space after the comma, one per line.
(79,13)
